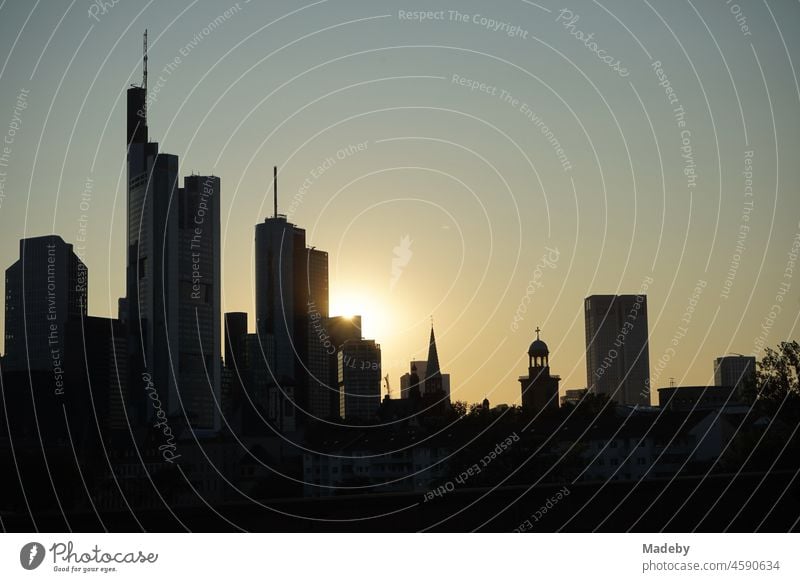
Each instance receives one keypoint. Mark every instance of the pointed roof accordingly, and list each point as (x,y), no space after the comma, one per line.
(433,357)
(433,373)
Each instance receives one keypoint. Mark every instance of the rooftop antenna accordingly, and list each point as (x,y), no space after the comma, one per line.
(275,188)
(144,71)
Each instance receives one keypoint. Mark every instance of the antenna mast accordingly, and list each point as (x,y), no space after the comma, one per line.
(275,188)
(144,71)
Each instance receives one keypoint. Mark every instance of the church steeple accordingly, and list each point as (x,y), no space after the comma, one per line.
(538,353)
(433,374)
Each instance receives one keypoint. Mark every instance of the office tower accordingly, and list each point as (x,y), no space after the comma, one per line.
(152,267)
(318,346)
(173,277)
(617,355)
(291,288)
(45,288)
(359,368)
(539,387)
(340,329)
(317,280)
(199,302)
(280,256)
(734,371)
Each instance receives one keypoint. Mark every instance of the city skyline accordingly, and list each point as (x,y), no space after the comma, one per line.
(361,267)
(647,230)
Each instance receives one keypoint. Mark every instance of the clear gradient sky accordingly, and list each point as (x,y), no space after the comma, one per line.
(457,190)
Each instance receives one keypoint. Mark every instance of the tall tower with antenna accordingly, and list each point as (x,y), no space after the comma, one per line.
(291,288)
(144,72)
(137,104)
(152,260)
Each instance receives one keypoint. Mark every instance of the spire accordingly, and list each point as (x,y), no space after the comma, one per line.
(144,74)
(433,374)
(275,189)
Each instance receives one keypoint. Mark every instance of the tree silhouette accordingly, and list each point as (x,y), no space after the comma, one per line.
(776,390)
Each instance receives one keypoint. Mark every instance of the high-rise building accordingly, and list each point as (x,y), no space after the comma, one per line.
(45,288)
(199,302)
(291,291)
(539,387)
(173,281)
(317,350)
(152,267)
(281,293)
(334,332)
(617,355)
(359,369)
(734,371)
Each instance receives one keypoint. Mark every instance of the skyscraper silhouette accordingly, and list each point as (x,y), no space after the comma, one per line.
(359,379)
(199,374)
(173,277)
(291,285)
(617,353)
(45,288)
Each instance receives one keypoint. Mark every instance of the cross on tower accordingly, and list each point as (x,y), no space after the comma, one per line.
(537,330)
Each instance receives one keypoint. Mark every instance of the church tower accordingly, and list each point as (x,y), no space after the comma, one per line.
(539,388)
(433,373)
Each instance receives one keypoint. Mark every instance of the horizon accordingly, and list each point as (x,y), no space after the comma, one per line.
(427,144)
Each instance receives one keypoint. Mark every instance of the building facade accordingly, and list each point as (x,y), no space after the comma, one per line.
(199,373)
(45,288)
(734,371)
(359,371)
(152,268)
(617,348)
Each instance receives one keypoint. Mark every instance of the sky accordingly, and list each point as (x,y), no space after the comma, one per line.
(487,165)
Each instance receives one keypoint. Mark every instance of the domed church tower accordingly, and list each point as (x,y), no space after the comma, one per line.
(539,388)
